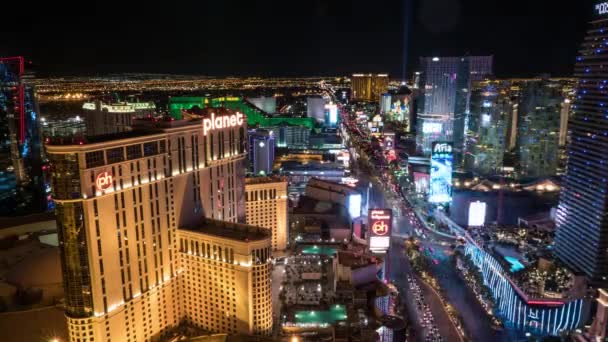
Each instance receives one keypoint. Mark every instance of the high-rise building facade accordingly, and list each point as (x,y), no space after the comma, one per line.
(491,107)
(261,152)
(292,137)
(225,282)
(266,199)
(121,204)
(538,129)
(480,67)
(22,185)
(103,118)
(581,240)
(368,87)
(315,108)
(445,82)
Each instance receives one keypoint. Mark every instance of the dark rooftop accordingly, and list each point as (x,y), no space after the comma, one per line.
(229,230)
(309,205)
(262,180)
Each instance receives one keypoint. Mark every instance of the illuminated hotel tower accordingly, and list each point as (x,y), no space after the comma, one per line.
(266,199)
(122,202)
(582,223)
(368,87)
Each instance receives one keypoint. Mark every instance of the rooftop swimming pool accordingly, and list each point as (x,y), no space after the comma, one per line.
(319,250)
(335,313)
(516,265)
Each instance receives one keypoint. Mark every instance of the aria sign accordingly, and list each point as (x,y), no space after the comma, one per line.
(103,181)
(601,8)
(222,122)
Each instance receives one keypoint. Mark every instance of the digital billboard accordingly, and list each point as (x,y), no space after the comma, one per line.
(354,205)
(441,172)
(380,225)
(432,127)
(331,111)
(421,182)
(477,214)
(400,108)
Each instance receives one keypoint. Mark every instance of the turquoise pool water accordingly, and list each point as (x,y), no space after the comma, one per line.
(515,264)
(334,314)
(320,250)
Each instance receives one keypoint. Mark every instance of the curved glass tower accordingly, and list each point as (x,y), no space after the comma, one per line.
(582,216)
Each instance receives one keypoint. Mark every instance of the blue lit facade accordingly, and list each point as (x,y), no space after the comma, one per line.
(582,224)
(22,183)
(520,314)
(261,152)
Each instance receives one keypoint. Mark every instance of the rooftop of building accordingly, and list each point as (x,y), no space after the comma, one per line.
(142,127)
(311,165)
(356,260)
(15,221)
(119,107)
(230,230)
(330,186)
(264,180)
(309,205)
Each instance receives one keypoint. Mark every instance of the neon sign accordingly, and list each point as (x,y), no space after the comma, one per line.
(601,8)
(103,181)
(380,223)
(380,228)
(213,123)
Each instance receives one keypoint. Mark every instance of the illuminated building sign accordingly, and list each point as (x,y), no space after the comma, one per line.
(441,172)
(421,182)
(380,224)
(354,205)
(103,181)
(601,8)
(431,127)
(332,114)
(477,214)
(213,123)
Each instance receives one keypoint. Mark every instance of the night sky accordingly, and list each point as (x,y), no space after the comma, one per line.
(290,37)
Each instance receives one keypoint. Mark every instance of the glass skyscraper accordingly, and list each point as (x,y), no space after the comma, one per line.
(491,108)
(540,104)
(582,220)
(446,82)
(22,186)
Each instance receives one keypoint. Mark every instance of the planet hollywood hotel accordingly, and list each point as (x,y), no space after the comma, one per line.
(149,232)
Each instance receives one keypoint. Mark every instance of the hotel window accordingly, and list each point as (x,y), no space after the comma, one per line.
(133,152)
(150,148)
(94,159)
(115,155)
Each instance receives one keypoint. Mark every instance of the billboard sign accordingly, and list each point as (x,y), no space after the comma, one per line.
(432,127)
(477,214)
(354,205)
(380,225)
(421,182)
(441,172)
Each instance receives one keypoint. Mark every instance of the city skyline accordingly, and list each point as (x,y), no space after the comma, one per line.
(172,196)
(323,38)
